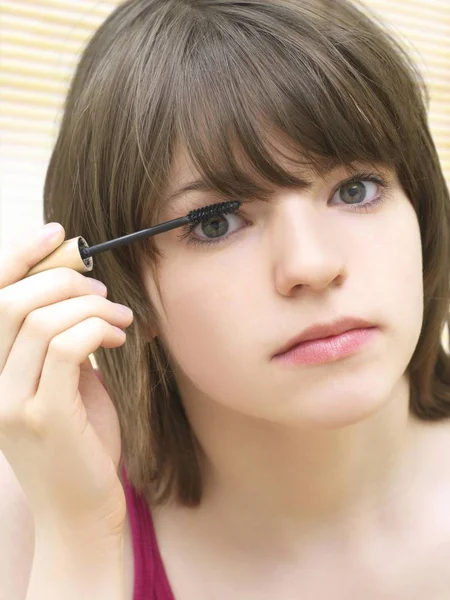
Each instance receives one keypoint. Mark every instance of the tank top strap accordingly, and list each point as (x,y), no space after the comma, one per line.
(150,578)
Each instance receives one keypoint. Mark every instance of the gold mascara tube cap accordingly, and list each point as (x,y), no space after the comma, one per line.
(66,255)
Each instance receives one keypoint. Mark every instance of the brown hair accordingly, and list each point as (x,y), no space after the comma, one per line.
(209,73)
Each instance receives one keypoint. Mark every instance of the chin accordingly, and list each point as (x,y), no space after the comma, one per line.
(339,406)
(348,414)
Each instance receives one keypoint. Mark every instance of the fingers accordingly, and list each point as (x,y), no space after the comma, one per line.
(25,253)
(37,312)
(26,357)
(50,323)
(65,355)
(18,300)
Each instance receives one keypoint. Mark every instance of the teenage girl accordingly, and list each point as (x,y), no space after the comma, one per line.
(274,423)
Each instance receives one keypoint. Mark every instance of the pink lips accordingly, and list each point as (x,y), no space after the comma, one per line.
(328,349)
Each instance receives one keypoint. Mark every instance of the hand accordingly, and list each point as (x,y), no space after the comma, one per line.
(58,426)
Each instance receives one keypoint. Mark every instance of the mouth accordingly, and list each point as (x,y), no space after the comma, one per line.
(322,332)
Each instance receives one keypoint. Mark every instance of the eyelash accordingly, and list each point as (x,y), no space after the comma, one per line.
(363,176)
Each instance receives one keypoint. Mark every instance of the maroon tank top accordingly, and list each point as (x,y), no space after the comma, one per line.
(150,579)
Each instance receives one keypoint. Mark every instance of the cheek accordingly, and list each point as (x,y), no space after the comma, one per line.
(400,274)
(200,316)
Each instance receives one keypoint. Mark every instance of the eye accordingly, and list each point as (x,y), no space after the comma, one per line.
(359,192)
(362,192)
(216,227)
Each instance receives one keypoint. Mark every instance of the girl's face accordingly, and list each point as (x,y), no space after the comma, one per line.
(276,268)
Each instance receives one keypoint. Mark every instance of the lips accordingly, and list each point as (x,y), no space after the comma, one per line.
(324,330)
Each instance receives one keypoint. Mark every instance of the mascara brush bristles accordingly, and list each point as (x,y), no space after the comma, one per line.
(194,217)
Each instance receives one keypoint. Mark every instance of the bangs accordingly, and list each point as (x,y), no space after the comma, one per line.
(238,87)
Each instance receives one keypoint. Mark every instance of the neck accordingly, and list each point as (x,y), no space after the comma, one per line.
(263,478)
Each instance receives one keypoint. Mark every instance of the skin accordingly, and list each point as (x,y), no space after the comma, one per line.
(309,459)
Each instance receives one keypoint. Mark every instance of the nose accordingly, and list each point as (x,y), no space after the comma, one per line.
(305,250)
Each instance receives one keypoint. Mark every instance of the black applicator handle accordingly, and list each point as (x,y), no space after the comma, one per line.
(132,237)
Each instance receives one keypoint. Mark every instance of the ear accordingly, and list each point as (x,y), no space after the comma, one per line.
(149,334)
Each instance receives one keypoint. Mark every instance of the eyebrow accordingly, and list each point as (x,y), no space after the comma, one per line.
(198,185)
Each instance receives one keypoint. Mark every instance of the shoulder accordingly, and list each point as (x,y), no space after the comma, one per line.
(16,535)
(430,491)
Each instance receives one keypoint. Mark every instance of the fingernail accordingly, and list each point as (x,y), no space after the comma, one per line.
(50,230)
(97,285)
(118,330)
(127,312)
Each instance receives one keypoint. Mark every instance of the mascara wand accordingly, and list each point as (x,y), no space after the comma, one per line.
(77,254)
